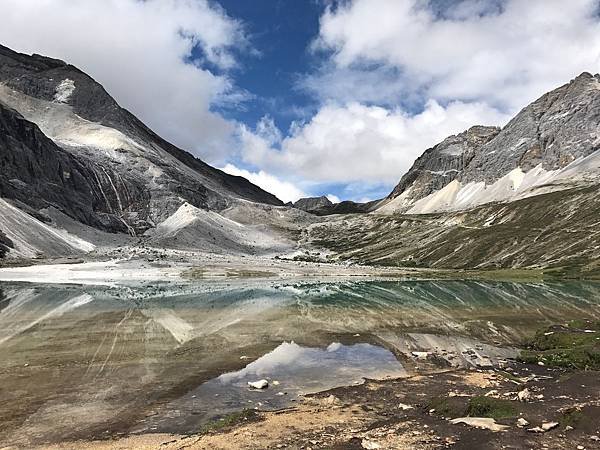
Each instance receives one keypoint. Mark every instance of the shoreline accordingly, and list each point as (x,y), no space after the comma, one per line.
(410,412)
(149,265)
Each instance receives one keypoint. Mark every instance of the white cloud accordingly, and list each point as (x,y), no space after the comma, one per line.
(505,53)
(359,143)
(460,63)
(140,50)
(283,190)
(333,198)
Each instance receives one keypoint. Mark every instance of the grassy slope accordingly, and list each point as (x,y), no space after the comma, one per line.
(555,233)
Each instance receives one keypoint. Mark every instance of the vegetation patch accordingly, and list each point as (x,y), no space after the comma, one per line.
(494,408)
(230,420)
(447,406)
(575,345)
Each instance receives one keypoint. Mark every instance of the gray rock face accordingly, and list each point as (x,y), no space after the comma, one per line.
(38,173)
(65,142)
(5,245)
(553,131)
(310,204)
(443,163)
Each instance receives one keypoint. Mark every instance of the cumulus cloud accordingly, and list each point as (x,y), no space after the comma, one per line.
(401,75)
(141,51)
(505,53)
(356,142)
(283,190)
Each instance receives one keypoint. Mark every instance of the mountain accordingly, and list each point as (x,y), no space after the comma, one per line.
(524,196)
(547,146)
(66,143)
(310,204)
(79,174)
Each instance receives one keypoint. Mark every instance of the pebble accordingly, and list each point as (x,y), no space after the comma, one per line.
(547,426)
(524,395)
(260,384)
(522,422)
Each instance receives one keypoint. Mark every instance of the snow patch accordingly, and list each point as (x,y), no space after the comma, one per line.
(64,91)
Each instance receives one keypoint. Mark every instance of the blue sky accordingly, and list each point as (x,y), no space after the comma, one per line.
(280,31)
(315,97)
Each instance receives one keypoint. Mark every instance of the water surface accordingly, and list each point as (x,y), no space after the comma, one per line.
(81,362)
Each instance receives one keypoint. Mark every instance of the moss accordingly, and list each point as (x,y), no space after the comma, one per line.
(495,408)
(447,406)
(230,420)
(571,418)
(567,346)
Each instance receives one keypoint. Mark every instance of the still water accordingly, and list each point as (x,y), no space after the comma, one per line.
(83,362)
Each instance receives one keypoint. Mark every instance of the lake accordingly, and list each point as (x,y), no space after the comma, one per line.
(91,362)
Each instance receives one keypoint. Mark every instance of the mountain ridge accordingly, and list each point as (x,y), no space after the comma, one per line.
(83,120)
(552,132)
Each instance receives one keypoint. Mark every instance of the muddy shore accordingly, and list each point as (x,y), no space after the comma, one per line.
(413,413)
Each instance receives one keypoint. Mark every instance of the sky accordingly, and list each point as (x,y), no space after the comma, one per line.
(315,97)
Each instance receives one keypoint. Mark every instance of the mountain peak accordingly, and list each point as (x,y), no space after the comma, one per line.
(312,203)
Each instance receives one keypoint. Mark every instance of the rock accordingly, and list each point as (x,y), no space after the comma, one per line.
(331,400)
(369,444)
(522,422)
(524,395)
(547,426)
(480,422)
(404,407)
(420,355)
(260,384)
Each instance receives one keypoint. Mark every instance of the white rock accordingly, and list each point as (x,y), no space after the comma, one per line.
(547,426)
(480,422)
(420,355)
(524,395)
(404,406)
(369,444)
(522,422)
(260,384)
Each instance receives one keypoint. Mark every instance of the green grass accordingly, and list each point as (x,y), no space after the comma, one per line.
(495,408)
(230,420)
(478,406)
(447,406)
(566,346)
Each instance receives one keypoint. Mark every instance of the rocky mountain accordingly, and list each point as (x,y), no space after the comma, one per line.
(310,204)
(66,143)
(547,146)
(80,174)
